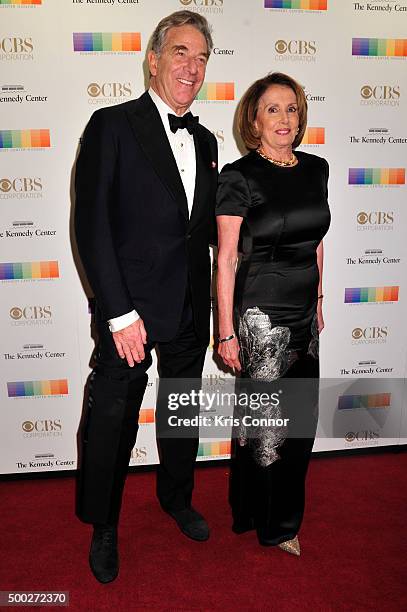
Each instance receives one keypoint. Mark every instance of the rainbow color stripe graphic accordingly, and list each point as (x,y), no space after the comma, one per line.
(314,136)
(29,270)
(24,139)
(217,91)
(305,5)
(377,176)
(146,415)
(107,41)
(374,400)
(357,295)
(214,449)
(31,388)
(21,2)
(374,47)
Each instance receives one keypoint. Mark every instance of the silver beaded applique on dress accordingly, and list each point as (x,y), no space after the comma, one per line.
(313,347)
(265,357)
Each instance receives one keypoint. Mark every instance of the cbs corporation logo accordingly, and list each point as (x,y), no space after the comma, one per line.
(203,6)
(370,335)
(16,48)
(31,315)
(375,220)
(361,436)
(21,187)
(296,50)
(108,93)
(42,428)
(380,95)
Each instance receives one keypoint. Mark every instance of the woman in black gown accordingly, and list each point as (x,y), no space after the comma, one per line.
(272,207)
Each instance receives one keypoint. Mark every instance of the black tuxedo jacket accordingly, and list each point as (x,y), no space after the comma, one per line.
(137,245)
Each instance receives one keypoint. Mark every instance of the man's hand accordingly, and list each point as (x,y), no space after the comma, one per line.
(130,342)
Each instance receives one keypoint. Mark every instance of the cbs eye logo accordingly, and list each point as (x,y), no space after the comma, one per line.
(5,185)
(281,46)
(357,333)
(27,426)
(93,90)
(363,218)
(16,313)
(366,92)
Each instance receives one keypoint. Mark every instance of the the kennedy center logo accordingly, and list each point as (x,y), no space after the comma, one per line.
(381,7)
(295,50)
(377,136)
(17,94)
(26,229)
(104,2)
(33,351)
(373,257)
(379,48)
(298,5)
(106,42)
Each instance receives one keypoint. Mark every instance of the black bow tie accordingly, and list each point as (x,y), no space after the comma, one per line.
(187,121)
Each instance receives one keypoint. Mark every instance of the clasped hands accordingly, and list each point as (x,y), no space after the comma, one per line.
(130,342)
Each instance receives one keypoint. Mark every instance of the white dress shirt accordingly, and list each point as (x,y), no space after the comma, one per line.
(183,148)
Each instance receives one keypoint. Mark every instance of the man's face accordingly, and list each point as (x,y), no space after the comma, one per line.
(179,71)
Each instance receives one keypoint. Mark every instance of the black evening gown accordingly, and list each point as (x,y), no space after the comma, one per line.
(285,216)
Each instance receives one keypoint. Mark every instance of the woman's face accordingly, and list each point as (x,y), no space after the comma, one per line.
(277,118)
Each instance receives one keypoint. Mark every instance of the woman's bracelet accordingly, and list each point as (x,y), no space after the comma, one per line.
(321,296)
(220,340)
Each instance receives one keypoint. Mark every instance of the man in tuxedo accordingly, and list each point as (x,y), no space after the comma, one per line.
(146,179)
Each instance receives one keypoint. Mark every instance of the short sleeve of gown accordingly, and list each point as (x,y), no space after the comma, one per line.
(233,196)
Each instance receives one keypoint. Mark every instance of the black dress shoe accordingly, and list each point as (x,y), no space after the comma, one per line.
(103,555)
(191,523)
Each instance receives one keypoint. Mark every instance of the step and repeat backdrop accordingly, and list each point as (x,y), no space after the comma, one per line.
(62,59)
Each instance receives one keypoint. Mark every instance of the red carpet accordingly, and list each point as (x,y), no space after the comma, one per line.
(353,546)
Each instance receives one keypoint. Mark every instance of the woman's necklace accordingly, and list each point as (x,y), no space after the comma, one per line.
(291,162)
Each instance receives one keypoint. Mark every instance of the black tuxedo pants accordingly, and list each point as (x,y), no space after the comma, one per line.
(109,432)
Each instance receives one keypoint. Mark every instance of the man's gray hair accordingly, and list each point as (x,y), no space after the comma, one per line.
(177,19)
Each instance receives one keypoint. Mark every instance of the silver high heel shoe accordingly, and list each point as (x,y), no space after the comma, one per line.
(291,546)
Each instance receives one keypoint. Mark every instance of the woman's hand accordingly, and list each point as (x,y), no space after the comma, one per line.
(320,317)
(229,352)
